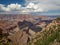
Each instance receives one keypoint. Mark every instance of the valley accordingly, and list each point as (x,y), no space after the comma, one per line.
(21,28)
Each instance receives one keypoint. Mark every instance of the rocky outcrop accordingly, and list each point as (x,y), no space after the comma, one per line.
(14,36)
(19,38)
(48,36)
(20,32)
(26,25)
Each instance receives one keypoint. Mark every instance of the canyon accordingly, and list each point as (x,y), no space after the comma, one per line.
(19,29)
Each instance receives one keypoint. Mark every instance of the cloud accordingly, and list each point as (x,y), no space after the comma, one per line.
(14,7)
(11,7)
(2,8)
(44,1)
(46,4)
(32,6)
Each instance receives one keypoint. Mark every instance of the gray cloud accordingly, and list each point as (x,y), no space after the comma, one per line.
(32,6)
(11,7)
(47,4)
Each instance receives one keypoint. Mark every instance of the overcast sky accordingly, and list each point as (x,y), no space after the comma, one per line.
(47,7)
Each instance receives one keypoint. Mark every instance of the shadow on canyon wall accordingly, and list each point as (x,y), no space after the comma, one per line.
(30,25)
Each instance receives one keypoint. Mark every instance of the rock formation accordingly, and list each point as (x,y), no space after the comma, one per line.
(15,35)
(49,35)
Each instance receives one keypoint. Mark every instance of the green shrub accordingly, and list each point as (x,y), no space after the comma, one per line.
(47,41)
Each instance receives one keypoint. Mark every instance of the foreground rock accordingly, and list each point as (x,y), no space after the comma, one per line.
(12,35)
(19,38)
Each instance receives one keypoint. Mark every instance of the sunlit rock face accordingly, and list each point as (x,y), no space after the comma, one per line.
(17,36)
(20,29)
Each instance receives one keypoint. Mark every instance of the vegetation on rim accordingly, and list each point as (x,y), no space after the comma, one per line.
(49,36)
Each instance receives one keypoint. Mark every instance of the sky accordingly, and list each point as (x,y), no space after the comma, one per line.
(42,7)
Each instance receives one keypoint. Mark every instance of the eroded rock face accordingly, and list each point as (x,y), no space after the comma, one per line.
(19,38)
(52,31)
(19,32)
(15,35)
